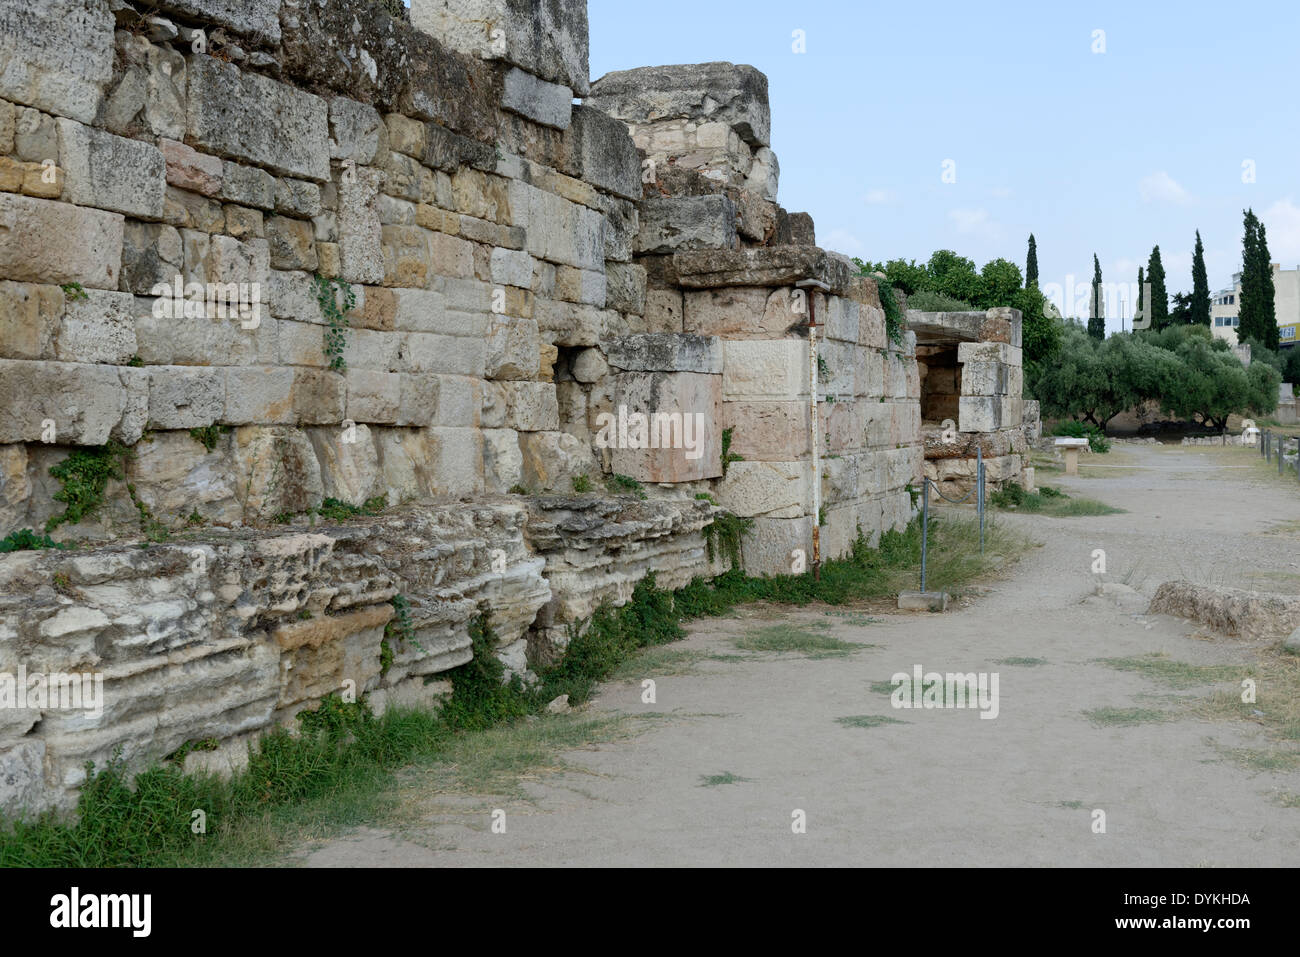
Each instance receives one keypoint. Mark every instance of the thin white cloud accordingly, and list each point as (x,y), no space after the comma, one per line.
(843,241)
(974,222)
(1282,230)
(1002,192)
(1162,188)
(878,197)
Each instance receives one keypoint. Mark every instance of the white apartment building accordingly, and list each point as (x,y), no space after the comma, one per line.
(1225,307)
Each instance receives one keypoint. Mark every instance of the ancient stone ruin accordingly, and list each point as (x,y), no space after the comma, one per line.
(262,257)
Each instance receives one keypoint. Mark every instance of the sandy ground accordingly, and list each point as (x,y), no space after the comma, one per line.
(943,787)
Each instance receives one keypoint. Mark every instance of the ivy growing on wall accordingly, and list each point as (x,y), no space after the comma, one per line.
(336,299)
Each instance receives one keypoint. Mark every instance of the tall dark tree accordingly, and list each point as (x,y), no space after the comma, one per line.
(1137,305)
(1096,304)
(1158,309)
(1181,313)
(1031,263)
(1200,304)
(1258,317)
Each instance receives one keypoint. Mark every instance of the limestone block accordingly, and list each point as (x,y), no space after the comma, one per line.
(86,404)
(512,349)
(580,285)
(589,365)
(296,197)
(247,186)
(625,288)
(765,174)
(606,154)
(717,92)
(427,352)
(148,95)
(360,233)
(512,267)
(988,352)
(531,406)
(98,328)
(185,397)
(319,654)
(151,254)
(292,243)
(49,242)
(771,431)
(985,377)
(459,461)
(261,395)
(503,463)
(547,103)
(459,400)
(551,460)
(357,131)
(450,256)
(777,546)
(373,395)
(740,312)
(57,56)
(671,223)
(664,311)
(29,319)
(176,476)
(246,116)
(980,413)
(349,463)
(754,369)
(418,397)
(665,352)
(664,427)
(406,256)
(190,169)
(774,489)
(257,19)
(276,471)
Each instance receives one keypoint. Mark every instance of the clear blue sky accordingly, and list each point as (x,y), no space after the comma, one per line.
(1092,152)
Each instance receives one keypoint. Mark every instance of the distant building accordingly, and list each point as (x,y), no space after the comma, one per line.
(1225,307)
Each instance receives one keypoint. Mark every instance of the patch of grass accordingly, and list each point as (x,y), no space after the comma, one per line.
(724,534)
(73,291)
(882,687)
(728,456)
(1026,662)
(84,475)
(497,760)
(867,720)
(335,511)
(1287,799)
(624,485)
(581,484)
(785,639)
(25,539)
(662,662)
(1072,805)
(726,777)
(208,436)
(1176,674)
(1048,501)
(1124,717)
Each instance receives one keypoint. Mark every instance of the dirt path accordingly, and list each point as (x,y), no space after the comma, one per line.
(942,787)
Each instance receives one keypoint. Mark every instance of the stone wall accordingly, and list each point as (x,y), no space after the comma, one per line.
(971,397)
(256,256)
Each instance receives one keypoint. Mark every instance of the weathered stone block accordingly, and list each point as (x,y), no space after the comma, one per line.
(57,55)
(531,406)
(664,427)
(672,223)
(98,328)
(551,460)
(719,92)
(755,369)
(185,397)
(547,103)
(512,349)
(665,352)
(48,242)
(245,116)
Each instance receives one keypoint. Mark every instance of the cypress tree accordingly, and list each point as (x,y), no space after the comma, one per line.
(1031,264)
(1200,308)
(1137,306)
(1096,307)
(1159,307)
(1258,318)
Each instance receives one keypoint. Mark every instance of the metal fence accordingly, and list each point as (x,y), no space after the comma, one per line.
(977,490)
(1274,446)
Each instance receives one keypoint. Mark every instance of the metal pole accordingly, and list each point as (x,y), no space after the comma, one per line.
(1263,436)
(1268,450)
(1281,446)
(979,493)
(925,524)
(810,287)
